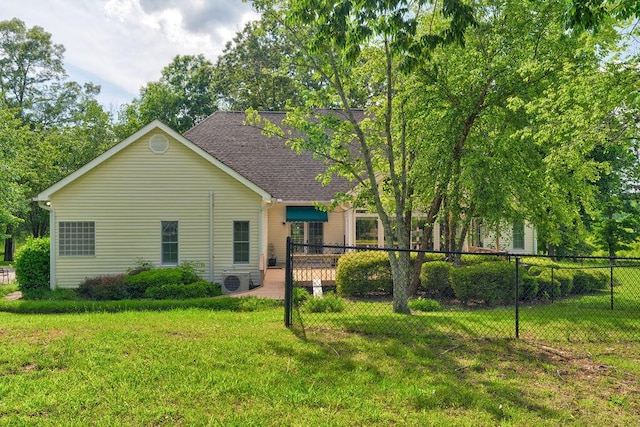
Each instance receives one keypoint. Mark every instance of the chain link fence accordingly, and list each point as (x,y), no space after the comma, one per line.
(473,295)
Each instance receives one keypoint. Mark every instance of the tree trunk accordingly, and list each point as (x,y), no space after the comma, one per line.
(8,245)
(400,273)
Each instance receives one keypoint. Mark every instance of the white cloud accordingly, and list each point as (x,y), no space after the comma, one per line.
(123,44)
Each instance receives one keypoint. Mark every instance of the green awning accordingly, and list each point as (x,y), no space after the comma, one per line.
(306,213)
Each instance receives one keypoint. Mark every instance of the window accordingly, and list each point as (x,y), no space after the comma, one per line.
(169,243)
(77,238)
(367,232)
(518,234)
(241,242)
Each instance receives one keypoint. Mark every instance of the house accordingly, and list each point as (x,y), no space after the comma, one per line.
(217,195)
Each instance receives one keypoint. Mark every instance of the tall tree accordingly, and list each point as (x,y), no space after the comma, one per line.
(371,45)
(183,96)
(29,64)
(67,127)
(257,70)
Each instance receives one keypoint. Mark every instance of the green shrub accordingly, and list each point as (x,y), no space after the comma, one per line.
(490,282)
(536,270)
(300,296)
(424,304)
(435,279)
(141,265)
(565,277)
(32,266)
(191,271)
(329,303)
(200,289)
(139,283)
(528,286)
(473,259)
(361,273)
(548,288)
(104,288)
(587,281)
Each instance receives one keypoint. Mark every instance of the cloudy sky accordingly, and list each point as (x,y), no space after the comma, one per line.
(123,44)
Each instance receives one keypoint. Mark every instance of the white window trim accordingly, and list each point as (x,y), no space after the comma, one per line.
(169,264)
(233,242)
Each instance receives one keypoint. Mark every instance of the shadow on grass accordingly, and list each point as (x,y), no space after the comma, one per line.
(428,371)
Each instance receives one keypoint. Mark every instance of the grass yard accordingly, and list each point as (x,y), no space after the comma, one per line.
(199,367)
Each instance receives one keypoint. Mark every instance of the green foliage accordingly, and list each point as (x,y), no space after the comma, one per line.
(257,70)
(470,259)
(546,288)
(424,304)
(6,289)
(104,288)
(140,265)
(139,283)
(191,271)
(435,279)
(32,265)
(362,273)
(491,283)
(565,277)
(529,286)
(589,280)
(216,304)
(300,296)
(182,97)
(329,303)
(57,294)
(200,289)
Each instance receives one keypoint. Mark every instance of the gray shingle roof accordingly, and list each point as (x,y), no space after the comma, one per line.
(267,162)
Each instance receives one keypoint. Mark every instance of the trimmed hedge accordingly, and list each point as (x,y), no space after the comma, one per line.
(547,288)
(219,303)
(435,279)
(33,266)
(588,281)
(200,289)
(362,273)
(490,283)
(470,259)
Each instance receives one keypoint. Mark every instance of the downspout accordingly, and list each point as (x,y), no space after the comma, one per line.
(52,243)
(211,205)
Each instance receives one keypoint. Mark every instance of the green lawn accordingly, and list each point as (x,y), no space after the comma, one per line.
(198,367)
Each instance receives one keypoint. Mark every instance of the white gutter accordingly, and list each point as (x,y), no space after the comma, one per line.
(211,206)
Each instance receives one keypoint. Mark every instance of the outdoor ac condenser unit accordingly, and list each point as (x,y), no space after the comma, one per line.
(233,282)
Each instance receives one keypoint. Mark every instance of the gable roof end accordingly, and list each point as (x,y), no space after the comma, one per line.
(45,195)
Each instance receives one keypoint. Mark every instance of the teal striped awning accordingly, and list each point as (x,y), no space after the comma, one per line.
(306,214)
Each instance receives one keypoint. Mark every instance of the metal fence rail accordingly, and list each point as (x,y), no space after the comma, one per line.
(477,295)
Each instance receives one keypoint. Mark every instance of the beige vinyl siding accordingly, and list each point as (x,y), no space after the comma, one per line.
(278,230)
(132,192)
(334,228)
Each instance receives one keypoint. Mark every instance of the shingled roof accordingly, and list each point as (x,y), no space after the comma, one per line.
(267,162)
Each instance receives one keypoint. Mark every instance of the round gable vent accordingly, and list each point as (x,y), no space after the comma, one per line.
(158,144)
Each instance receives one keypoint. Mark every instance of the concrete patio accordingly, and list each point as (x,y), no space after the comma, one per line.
(272,286)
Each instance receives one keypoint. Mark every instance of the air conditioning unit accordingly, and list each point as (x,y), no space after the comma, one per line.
(234,281)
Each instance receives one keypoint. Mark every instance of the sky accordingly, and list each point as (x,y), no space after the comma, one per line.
(123,44)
